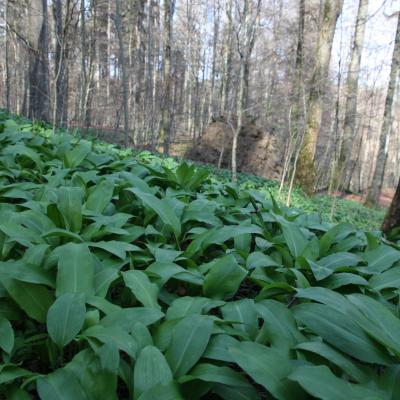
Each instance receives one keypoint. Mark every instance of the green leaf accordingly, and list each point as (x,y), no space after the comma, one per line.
(126,318)
(6,335)
(97,381)
(189,340)
(75,157)
(294,237)
(213,373)
(151,369)
(267,367)
(279,325)
(258,259)
(379,323)
(224,278)
(140,285)
(66,317)
(115,247)
(35,300)
(113,334)
(183,306)
(386,280)
(343,279)
(335,357)
(10,372)
(60,385)
(382,258)
(101,196)
(236,393)
(70,206)
(75,269)
(243,312)
(169,391)
(218,347)
(161,208)
(321,383)
(341,331)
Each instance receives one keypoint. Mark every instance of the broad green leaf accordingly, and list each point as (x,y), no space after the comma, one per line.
(213,373)
(258,259)
(115,247)
(97,381)
(169,391)
(243,312)
(77,154)
(60,385)
(279,326)
(66,317)
(126,318)
(337,358)
(113,334)
(218,346)
(321,383)
(189,340)
(386,280)
(183,306)
(267,367)
(224,278)
(343,279)
(382,258)
(35,300)
(101,196)
(75,270)
(70,205)
(25,272)
(236,393)
(144,290)
(151,369)
(6,335)
(339,231)
(10,372)
(341,331)
(379,323)
(161,208)
(294,237)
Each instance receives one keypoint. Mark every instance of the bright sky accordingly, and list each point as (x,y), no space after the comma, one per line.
(378,42)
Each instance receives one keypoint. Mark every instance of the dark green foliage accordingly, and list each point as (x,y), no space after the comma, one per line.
(128,277)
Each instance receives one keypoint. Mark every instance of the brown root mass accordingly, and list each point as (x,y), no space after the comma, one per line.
(257,154)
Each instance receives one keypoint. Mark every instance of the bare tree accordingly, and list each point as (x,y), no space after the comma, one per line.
(245,36)
(118,28)
(377,180)
(346,162)
(166,123)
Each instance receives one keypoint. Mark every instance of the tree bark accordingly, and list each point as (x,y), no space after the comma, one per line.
(377,180)
(39,86)
(166,122)
(346,163)
(331,9)
(118,28)
(392,218)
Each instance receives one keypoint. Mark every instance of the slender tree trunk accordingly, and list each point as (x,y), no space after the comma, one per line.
(118,28)
(166,122)
(377,180)
(346,163)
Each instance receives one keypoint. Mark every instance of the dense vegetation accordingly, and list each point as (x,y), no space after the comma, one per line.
(124,278)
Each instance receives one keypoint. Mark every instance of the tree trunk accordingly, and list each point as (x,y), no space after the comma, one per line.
(39,87)
(330,12)
(346,163)
(166,122)
(118,28)
(392,218)
(245,47)
(377,180)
